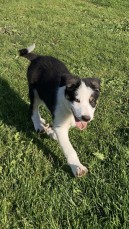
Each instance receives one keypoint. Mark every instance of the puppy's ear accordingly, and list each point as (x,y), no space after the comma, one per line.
(94,83)
(72,85)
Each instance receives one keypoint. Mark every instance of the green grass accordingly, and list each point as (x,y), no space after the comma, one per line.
(37,189)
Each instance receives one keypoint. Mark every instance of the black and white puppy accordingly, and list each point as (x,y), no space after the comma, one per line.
(71,101)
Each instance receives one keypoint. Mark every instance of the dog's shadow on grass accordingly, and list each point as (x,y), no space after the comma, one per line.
(15,112)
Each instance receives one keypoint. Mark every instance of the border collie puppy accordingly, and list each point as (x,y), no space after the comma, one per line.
(70,99)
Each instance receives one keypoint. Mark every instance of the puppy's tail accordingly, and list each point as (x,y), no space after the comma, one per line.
(27,53)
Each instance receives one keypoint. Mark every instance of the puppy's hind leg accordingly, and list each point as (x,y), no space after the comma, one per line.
(39,123)
(35,102)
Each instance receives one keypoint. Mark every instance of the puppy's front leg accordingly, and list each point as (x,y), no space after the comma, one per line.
(77,168)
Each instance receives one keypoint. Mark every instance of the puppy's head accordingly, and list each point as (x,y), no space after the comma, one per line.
(82,95)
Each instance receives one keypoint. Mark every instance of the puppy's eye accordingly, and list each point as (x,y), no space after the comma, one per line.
(93,102)
(97,89)
(77,100)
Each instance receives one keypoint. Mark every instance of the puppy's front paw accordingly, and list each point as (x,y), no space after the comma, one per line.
(79,170)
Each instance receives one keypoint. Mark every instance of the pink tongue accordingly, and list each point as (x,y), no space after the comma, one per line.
(81,125)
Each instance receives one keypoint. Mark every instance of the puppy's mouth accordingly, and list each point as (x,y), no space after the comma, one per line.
(80,124)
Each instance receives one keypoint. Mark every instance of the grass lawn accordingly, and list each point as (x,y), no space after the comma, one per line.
(37,189)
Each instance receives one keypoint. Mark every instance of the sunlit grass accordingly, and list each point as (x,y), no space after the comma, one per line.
(37,189)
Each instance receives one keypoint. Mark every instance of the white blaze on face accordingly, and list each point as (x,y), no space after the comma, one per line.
(83,107)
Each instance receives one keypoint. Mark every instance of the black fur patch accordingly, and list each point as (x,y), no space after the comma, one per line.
(46,74)
(23,52)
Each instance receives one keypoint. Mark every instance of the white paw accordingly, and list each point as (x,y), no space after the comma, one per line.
(42,120)
(39,127)
(39,123)
(51,133)
(79,170)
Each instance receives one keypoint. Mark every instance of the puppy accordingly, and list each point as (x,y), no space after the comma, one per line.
(70,100)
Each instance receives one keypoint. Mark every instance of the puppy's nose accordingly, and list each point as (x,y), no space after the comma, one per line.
(85,118)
